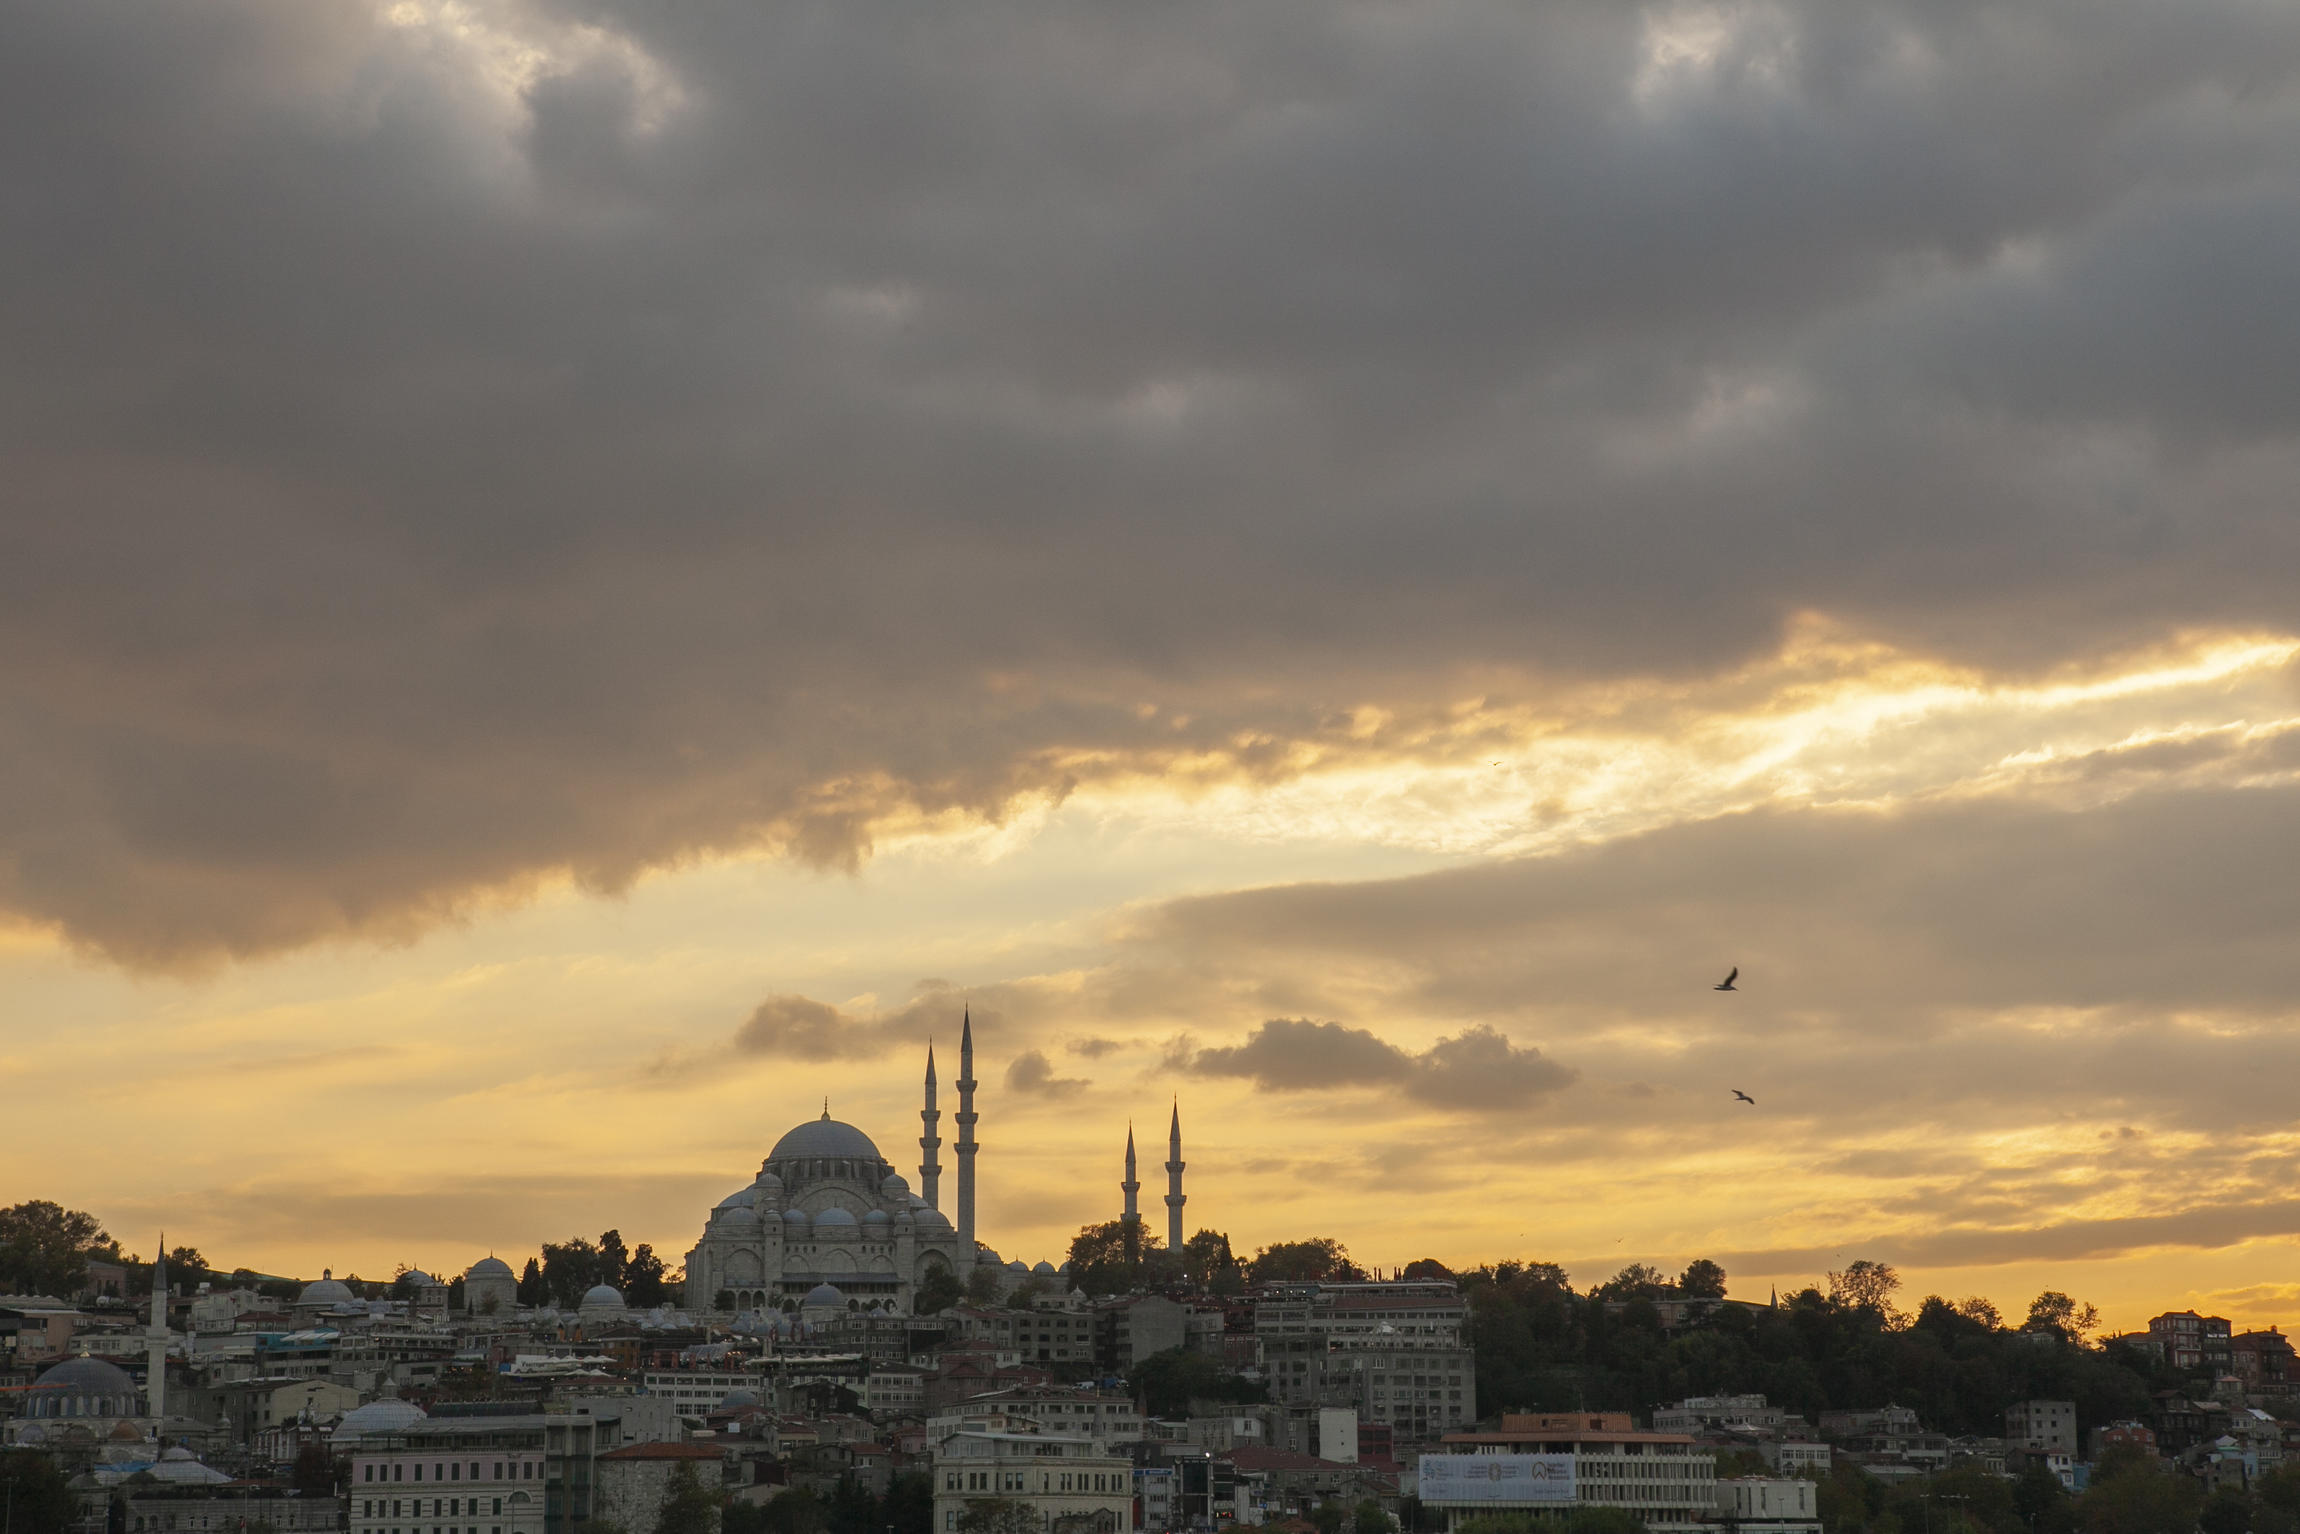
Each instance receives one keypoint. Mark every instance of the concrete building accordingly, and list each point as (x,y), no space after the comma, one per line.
(2042,1427)
(1070,1485)
(1553,1461)
(1795,1456)
(524,1474)
(1132,1328)
(1766,1505)
(1108,1418)
(1697,1413)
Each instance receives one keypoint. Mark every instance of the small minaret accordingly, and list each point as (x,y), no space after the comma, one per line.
(930,1143)
(156,1343)
(1132,1185)
(966,1146)
(1174,1165)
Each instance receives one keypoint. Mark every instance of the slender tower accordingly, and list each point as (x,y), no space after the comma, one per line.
(156,1344)
(1132,1185)
(1174,1165)
(966,1146)
(930,1170)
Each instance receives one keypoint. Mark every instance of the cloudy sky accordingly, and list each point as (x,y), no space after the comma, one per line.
(577,575)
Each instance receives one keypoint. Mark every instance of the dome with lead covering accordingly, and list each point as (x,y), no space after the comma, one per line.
(825,1137)
(389,1415)
(324,1291)
(824,1296)
(83,1387)
(490,1267)
(602,1297)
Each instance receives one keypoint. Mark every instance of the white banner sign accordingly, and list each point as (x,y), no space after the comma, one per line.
(1513,1478)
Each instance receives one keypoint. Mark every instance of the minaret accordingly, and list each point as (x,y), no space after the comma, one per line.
(966,1146)
(156,1344)
(1131,1186)
(1174,1198)
(930,1143)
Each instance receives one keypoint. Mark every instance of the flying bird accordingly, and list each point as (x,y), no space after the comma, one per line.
(1726,984)
(1745,1097)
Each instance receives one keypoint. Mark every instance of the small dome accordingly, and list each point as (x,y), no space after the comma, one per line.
(179,1454)
(824,1294)
(418,1276)
(602,1297)
(490,1267)
(767,1181)
(834,1218)
(877,1219)
(1044,1269)
(125,1432)
(796,1219)
(1018,1266)
(934,1220)
(894,1187)
(736,1400)
(323,1291)
(388,1415)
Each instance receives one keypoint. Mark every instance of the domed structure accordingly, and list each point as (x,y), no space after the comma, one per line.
(489,1288)
(83,1388)
(736,1400)
(601,1302)
(325,1293)
(828,1209)
(389,1415)
(824,1297)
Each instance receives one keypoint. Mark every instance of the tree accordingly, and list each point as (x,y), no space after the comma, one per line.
(2131,1493)
(1328,1517)
(33,1489)
(939,1290)
(533,1289)
(569,1269)
(982,1285)
(314,1473)
(1368,1518)
(688,1506)
(44,1248)
(1702,1279)
(1427,1268)
(613,1259)
(2226,1511)
(1208,1263)
(1975,1307)
(187,1266)
(1166,1383)
(643,1284)
(797,1511)
(998,1515)
(1865,1285)
(909,1503)
(1112,1257)
(1638,1281)
(853,1509)
(1300,1262)
(2054,1314)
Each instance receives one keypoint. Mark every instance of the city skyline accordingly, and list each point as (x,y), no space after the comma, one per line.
(575,579)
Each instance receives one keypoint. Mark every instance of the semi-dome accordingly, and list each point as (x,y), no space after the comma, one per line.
(602,1297)
(389,1415)
(834,1218)
(325,1290)
(825,1136)
(739,1199)
(490,1267)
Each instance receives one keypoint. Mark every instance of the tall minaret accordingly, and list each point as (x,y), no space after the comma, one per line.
(966,1146)
(930,1170)
(156,1344)
(1174,1198)
(1132,1185)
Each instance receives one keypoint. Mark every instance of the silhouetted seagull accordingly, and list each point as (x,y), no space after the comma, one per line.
(1726,984)
(1745,1097)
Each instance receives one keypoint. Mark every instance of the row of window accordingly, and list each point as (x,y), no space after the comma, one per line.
(441,1507)
(1019,1480)
(448,1471)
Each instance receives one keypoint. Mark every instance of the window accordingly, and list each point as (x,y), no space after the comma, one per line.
(370,1475)
(475,1470)
(498,1507)
(419,1472)
(455,1472)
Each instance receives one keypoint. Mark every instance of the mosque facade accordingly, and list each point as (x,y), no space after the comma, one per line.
(828,1209)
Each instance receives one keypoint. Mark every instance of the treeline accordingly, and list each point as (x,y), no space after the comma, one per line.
(1116,1257)
(1540,1346)
(566,1269)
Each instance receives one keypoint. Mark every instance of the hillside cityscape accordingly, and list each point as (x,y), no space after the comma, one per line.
(837,1355)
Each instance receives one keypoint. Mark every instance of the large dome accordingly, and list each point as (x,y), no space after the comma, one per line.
(325,1290)
(490,1267)
(825,1137)
(88,1376)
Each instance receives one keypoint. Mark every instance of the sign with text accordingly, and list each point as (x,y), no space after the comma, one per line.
(1514,1478)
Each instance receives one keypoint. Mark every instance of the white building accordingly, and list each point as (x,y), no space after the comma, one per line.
(1071,1485)
(1792,1456)
(1552,1462)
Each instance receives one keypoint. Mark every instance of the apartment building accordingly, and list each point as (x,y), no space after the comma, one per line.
(1071,1485)
(1555,1461)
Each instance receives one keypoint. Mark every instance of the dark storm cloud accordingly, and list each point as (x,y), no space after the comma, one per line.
(764,421)
(1031,1074)
(1479,1068)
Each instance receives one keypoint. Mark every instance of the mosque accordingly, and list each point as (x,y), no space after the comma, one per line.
(828,1209)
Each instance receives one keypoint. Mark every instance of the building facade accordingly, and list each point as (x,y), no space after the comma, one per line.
(1587,1459)
(1070,1485)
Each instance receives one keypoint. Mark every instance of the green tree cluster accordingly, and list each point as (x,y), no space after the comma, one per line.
(1541,1346)
(44,1248)
(1166,1383)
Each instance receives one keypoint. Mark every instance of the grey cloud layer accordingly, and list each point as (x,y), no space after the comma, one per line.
(767,418)
(1477,1068)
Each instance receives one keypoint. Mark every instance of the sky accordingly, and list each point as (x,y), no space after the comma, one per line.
(579,577)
